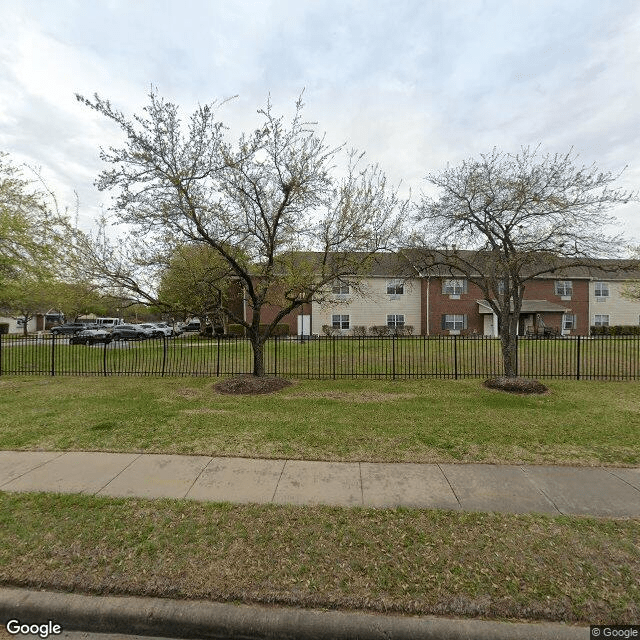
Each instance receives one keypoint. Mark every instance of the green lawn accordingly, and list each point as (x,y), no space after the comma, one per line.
(410,561)
(578,422)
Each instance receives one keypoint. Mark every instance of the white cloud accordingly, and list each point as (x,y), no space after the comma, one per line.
(414,84)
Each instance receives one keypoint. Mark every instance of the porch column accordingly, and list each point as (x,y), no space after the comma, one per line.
(495,325)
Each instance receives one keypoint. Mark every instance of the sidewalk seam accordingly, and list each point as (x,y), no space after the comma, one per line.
(33,468)
(542,491)
(361,485)
(619,478)
(95,493)
(196,478)
(273,497)
(455,495)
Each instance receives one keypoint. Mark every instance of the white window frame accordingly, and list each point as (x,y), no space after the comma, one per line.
(395,320)
(601,291)
(454,286)
(564,288)
(341,321)
(569,321)
(395,287)
(340,288)
(599,322)
(454,322)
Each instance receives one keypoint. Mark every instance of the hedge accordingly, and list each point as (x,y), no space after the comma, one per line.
(616,330)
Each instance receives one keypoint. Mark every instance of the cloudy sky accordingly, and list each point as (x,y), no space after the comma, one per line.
(416,84)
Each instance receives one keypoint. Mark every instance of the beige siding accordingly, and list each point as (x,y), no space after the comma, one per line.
(620,309)
(372,306)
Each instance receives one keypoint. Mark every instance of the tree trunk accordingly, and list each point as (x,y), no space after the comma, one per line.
(509,340)
(257,344)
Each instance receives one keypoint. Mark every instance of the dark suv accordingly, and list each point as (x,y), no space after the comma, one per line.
(71,328)
(129,332)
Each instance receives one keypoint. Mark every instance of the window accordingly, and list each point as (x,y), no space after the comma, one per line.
(395,320)
(395,287)
(601,291)
(601,320)
(340,321)
(454,322)
(568,322)
(564,287)
(454,287)
(340,288)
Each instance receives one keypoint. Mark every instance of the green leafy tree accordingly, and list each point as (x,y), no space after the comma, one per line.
(196,283)
(258,204)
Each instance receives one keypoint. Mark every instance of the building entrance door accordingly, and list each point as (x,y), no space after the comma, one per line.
(304,325)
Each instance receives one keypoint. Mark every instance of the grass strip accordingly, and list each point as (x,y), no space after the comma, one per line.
(578,422)
(406,560)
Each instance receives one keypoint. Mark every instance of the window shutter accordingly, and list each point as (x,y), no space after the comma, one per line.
(464,320)
(443,324)
(465,289)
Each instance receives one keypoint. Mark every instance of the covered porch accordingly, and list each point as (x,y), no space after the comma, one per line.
(537,318)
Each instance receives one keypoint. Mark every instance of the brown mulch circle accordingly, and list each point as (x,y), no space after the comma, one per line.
(516,385)
(251,385)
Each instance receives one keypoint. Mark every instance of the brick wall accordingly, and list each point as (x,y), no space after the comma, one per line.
(435,304)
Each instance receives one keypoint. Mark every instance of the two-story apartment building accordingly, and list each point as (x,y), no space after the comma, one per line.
(436,301)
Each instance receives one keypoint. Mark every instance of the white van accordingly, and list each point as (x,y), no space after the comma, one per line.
(108,323)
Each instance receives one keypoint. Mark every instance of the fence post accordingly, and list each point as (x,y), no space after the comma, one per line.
(53,353)
(517,359)
(104,359)
(164,353)
(578,360)
(333,356)
(218,356)
(455,357)
(393,357)
(0,354)
(275,356)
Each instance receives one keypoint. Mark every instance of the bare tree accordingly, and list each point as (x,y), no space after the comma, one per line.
(260,204)
(504,219)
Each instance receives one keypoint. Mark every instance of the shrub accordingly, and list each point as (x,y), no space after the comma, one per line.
(616,330)
(359,330)
(380,330)
(328,330)
(279,330)
(4,327)
(235,330)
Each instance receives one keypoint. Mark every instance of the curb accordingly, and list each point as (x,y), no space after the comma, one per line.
(186,619)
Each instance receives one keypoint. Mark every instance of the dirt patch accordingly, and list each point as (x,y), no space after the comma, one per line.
(203,410)
(187,392)
(355,397)
(524,386)
(251,385)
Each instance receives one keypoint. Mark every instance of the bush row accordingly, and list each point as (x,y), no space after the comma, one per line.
(279,330)
(376,330)
(616,330)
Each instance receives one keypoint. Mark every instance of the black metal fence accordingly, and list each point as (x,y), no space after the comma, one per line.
(580,357)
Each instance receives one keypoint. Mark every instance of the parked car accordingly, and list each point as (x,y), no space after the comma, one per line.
(71,328)
(168,329)
(194,325)
(153,330)
(91,336)
(129,332)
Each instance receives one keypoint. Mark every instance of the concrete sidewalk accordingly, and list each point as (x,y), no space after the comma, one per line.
(596,491)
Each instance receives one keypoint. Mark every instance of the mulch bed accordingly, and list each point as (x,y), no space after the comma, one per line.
(516,385)
(251,385)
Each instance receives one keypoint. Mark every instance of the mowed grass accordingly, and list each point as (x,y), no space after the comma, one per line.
(578,422)
(410,561)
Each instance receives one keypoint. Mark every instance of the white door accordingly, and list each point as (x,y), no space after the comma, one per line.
(304,325)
